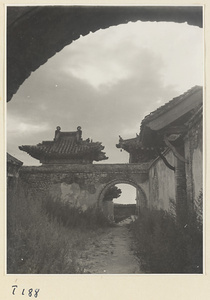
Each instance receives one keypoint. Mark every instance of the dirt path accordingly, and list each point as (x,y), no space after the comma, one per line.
(111,253)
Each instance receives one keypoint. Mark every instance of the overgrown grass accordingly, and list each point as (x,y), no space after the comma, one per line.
(164,246)
(74,217)
(47,243)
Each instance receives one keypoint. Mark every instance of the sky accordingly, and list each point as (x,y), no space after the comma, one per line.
(128,195)
(106,82)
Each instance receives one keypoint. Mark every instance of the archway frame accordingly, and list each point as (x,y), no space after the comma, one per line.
(120,181)
(29,46)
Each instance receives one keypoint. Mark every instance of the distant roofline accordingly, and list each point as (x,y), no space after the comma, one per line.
(13,160)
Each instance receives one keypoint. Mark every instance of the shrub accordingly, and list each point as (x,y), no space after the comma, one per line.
(74,217)
(112,193)
(164,246)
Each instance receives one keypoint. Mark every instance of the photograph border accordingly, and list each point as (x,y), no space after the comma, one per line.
(128,286)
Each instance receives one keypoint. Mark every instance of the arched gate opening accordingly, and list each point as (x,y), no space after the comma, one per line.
(120,212)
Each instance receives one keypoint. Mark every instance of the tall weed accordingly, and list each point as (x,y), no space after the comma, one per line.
(164,246)
(74,217)
(37,245)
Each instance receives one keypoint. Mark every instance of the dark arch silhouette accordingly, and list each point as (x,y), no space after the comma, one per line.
(34,34)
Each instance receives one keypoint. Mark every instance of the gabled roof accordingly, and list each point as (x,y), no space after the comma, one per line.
(197,91)
(197,117)
(174,114)
(133,143)
(12,160)
(66,145)
(126,144)
(138,151)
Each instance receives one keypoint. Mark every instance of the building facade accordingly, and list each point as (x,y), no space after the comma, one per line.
(171,139)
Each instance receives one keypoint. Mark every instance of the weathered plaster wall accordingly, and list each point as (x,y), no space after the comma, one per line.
(194,156)
(162,183)
(108,209)
(143,194)
(81,185)
(72,194)
(142,199)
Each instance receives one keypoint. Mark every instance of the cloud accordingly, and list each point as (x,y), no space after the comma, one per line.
(25,128)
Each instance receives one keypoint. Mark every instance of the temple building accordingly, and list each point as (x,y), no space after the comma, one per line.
(138,153)
(66,148)
(164,128)
(171,139)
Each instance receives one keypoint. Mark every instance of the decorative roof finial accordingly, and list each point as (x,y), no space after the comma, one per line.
(79,133)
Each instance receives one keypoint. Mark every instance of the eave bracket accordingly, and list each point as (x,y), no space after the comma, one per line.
(173,149)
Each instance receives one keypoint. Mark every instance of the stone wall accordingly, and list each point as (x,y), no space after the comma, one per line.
(81,185)
(162,183)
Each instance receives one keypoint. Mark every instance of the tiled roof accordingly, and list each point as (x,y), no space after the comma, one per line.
(12,160)
(171,104)
(63,147)
(66,145)
(196,117)
(133,142)
(146,136)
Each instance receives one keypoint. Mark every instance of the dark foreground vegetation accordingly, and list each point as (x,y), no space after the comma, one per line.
(123,211)
(46,237)
(165,246)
